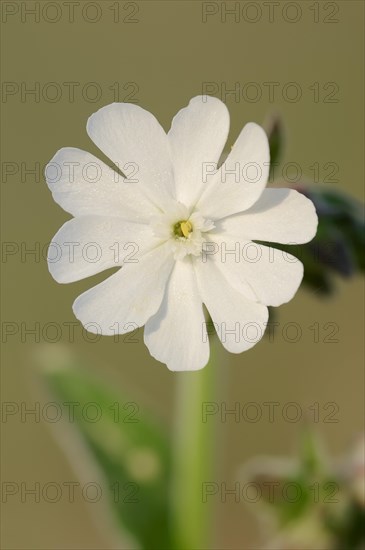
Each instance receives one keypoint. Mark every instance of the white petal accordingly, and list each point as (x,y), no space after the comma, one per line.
(215,249)
(280,216)
(273,275)
(131,136)
(89,244)
(82,184)
(240,323)
(241,179)
(176,335)
(127,299)
(198,134)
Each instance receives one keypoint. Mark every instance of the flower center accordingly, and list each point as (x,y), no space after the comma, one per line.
(183,229)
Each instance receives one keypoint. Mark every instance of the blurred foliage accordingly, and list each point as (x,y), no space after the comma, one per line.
(314,505)
(338,247)
(130,450)
(275,132)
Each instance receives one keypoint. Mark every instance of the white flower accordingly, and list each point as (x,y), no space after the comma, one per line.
(182,230)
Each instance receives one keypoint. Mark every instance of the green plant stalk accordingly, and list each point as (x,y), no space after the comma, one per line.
(194,455)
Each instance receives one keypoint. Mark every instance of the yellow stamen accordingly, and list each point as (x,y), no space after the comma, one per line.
(186,228)
(183,228)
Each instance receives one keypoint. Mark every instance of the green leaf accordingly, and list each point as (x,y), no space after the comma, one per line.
(338,247)
(129,449)
(349,527)
(275,133)
(296,485)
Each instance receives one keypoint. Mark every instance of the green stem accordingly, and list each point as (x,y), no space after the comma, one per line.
(193,455)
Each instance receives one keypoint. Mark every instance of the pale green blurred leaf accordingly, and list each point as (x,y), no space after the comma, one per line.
(130,450)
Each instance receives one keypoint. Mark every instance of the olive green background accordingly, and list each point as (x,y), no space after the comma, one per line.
(169,53)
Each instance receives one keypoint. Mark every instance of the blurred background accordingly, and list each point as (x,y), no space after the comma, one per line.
(300,61)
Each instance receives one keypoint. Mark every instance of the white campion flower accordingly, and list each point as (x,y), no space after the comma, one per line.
(182,232)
